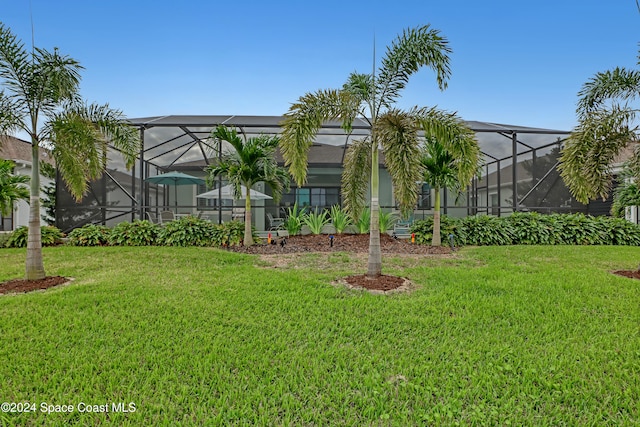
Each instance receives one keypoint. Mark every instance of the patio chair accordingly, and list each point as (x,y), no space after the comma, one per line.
(166,216)
(238,214)
(275,223)
(152,217)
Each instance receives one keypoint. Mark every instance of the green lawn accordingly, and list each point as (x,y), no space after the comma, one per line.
(493,336)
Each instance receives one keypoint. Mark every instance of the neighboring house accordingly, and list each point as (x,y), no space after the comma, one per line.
(19,152)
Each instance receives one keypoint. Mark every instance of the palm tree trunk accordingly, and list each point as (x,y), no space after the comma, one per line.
(436,241)
(374,267)
(248,235)
(34,265)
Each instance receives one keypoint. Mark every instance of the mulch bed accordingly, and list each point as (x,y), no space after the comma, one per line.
(632,274)
(341,243)
(21,285)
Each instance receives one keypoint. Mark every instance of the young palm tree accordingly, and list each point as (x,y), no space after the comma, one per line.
(606,125)
(12,187)
(395,132)
(251,161)
(41,98)
(443,170)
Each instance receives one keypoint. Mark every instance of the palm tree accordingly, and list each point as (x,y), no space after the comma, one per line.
(41,98)
(11,187)
(443,170)
(251,161)
(606,125)
(394,131)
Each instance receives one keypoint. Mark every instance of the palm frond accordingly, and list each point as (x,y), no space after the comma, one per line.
(12,187)
(620,83)
(587,156)
(456,138)
(251,161)
(10,116)
(439,166)
(355,176)
(112,127)
(305,118)
(14,61)
(415,48)
(81,135)
(397,132)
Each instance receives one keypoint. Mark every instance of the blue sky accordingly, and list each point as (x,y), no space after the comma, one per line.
(513,62)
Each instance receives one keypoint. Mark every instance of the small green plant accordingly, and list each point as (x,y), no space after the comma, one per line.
(136,233)
(340,219)
(50,236)
(90,235)
(387,219)
(315,221)
(364,221)
(295,219)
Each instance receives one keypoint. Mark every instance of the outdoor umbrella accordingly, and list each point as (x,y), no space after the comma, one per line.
(226,192)
(175,179)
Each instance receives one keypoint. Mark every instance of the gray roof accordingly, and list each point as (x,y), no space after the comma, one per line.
(18,150)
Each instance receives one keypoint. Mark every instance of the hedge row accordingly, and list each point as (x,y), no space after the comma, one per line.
(189,231)
(532,229)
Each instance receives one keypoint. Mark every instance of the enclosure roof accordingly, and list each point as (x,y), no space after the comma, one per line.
(274,122)
(178,141)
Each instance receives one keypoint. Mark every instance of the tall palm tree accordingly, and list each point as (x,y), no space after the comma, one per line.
(441,169)
(41,98)
(393,131)
(12,187)
(606,125)
(250,161)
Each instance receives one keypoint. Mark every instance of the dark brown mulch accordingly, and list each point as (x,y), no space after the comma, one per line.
(22,285)
(632,274)
(341,242)
(380,283)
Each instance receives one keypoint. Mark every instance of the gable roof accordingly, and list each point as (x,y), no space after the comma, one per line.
(18,150)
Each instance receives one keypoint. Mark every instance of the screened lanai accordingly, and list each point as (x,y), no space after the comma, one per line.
(183,143)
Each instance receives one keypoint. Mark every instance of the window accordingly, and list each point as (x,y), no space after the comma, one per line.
(424,197)
(313,197)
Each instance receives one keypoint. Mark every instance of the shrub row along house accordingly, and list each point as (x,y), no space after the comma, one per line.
(525,156)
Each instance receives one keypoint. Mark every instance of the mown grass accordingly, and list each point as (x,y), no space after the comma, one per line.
(492,336)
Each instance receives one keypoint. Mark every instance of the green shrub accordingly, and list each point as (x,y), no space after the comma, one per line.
(315,221)
(618,231)
(90,235)
(534,229)
(50,236)
(386,221)
(423,230)
(4,237)
(229,234)
(364,221)
(190,231)
(340,219)
(136,233)
(531,228)
(580,229)
(487,230)
(295,219)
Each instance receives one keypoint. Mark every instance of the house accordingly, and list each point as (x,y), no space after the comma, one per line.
(183,143)
(19,151)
